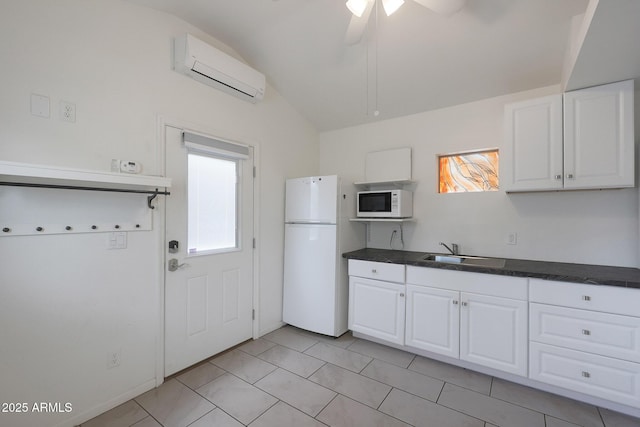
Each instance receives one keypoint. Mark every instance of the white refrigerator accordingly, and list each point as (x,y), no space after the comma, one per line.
(317,232)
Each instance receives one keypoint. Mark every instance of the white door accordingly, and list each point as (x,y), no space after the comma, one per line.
(493,332)
(433,320)
(376,308)
(209,216)
(309,300)
(312,199)
(599,136)
(532,156)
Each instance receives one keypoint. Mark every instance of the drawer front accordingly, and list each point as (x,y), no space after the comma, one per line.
(609,299)
(604,377)
(464,281)
(377,270)
(600,333)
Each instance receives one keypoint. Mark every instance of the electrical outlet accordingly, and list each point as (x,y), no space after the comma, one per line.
(113,359)
(512,238)
(67,111)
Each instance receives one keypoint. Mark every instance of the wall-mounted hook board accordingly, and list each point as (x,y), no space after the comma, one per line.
(38,211)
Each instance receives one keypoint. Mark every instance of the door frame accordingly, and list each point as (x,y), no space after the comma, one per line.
(161,123)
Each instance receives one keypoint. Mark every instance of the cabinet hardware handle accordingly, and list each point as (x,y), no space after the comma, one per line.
(558,177)
(455,302)
(464,304)
(570,176)
(374,270)
(586,298)
(401,294)
(586,374)
(586,332)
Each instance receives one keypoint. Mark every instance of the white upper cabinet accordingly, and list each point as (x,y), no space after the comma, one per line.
(585,142)
(532,156)
(599,137)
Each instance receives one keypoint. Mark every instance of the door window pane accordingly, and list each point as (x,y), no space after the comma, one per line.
(212,203)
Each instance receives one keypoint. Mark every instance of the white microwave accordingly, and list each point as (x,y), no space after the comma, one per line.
(384,204)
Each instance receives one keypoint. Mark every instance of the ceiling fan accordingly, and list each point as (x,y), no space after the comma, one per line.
(361,10)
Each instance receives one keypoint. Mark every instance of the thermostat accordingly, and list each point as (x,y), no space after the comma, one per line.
(130,167)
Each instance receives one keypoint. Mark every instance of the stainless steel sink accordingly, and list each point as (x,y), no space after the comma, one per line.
(466,260)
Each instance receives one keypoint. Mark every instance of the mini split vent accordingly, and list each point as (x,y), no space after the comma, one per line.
(210,66)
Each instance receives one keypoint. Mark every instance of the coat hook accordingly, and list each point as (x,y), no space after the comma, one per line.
(150,199)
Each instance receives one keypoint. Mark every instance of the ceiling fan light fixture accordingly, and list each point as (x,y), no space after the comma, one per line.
(390,6)
(357,7)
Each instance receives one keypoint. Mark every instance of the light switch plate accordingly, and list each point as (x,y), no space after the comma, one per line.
(40,105)
(117,240)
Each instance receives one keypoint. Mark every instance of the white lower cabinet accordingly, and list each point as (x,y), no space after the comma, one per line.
(586,338)
(377,307)
(612,379)
(493,332)
(447,315)
(433,320)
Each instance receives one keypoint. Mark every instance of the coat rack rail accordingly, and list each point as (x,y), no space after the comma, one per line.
(153,193)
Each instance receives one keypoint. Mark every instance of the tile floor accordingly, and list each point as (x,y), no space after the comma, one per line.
(296,378)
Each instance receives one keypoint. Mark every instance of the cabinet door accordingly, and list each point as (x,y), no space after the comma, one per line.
(377,309)
(599,137)
(433,320)
(493,332)
(532,156)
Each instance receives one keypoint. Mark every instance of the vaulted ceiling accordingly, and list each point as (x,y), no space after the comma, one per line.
(412,61)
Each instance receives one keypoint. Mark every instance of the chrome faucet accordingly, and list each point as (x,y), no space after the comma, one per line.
(453,251)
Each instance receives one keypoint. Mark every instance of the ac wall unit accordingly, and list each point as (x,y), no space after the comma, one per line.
(210,66)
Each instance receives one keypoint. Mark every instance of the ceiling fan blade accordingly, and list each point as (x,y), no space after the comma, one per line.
(358,25)
(442,7)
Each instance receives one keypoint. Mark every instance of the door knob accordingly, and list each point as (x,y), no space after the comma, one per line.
(174,265)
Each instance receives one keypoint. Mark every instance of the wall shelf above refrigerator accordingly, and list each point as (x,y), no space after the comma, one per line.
(399,183)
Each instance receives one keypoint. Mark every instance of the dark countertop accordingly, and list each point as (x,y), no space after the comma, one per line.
(565,272)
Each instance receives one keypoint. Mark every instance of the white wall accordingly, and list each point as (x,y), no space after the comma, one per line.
(65,301)
(597,227)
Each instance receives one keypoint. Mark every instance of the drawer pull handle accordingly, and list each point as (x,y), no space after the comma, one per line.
(586,298)
(374,271)
(401,294)
(455,302)
(586,374)
(586,332)
(464,304)
(558,177)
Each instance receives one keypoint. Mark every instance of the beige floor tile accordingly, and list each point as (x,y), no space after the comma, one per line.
(289,338)
(616,419)
(343,341)
(413,382)
(489,409)
(382,352)
(296,362)
(423,413)
(557,406)
(255,347)
(174,404)
(200,375)
(237,398)
(243,365)
(555,422)
(452,374)
(298,392)
(344,358)
(148,422)
(217,418)
(283,415)
(124,415)
(344,412)
(355,386)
